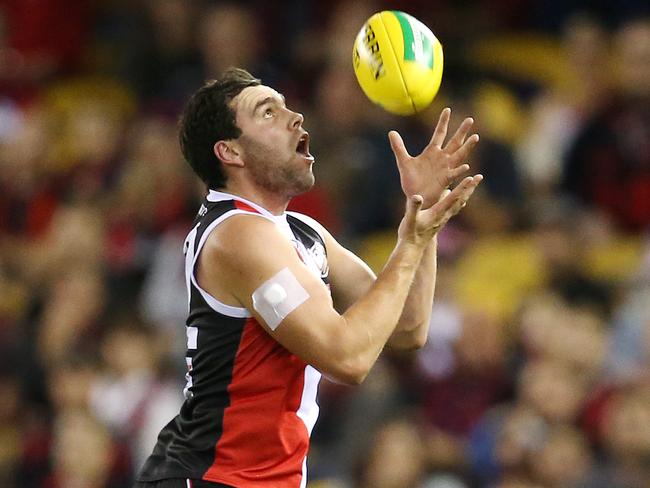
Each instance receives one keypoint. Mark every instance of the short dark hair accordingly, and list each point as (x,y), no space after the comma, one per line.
(208,118)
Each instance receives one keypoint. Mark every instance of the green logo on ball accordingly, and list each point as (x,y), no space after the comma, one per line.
(418,45)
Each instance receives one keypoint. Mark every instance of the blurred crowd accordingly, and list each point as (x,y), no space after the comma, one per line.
(536,373)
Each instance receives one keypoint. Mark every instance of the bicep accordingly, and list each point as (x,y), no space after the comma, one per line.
(308,324)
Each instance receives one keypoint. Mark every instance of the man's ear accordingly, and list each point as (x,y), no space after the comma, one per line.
(228,153)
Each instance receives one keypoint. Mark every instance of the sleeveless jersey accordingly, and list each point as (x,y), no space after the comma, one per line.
(250,404)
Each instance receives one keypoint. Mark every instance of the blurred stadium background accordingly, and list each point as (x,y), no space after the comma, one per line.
(536,373)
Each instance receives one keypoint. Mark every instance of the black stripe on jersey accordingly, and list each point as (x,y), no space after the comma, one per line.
(186,445)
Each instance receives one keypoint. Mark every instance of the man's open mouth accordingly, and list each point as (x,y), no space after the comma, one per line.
(303,146)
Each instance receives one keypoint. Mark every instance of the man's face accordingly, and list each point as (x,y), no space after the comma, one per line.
(273,144)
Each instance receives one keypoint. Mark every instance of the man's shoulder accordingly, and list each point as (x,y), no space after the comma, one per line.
(243,223)
(242,233)
(245,247)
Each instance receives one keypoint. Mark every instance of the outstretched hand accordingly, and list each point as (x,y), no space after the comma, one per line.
(419,225)
(431,172)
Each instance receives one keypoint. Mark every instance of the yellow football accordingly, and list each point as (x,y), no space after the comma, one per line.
(398,62)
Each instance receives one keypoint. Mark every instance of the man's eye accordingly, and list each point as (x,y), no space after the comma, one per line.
(268,113)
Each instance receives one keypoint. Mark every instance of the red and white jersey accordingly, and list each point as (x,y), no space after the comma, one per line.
(250,404)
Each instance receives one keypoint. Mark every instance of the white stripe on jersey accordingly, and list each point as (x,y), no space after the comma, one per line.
(192,337)
(219,196)
(308,410)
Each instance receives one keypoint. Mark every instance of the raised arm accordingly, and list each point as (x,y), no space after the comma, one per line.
(430,174)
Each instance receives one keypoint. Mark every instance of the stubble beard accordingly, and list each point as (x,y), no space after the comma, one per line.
(285,178)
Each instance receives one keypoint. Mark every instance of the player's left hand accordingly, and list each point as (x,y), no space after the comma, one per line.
(432,171)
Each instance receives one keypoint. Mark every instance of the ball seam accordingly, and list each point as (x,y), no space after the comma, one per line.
(399,66)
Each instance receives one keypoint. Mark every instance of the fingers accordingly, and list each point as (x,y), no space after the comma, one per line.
(397,145)
(466,148)
(452,174)
(459,137)
(451,204)
(444,194)
(456,172)
(413,206)
(440,133)
(414,203)
(464,195)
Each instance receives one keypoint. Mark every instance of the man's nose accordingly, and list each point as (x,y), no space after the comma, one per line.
(296,120)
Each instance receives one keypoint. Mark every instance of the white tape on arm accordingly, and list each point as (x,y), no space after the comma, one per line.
(278,297)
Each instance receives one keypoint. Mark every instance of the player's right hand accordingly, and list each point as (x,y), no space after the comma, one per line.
(439,164)
(420,225)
